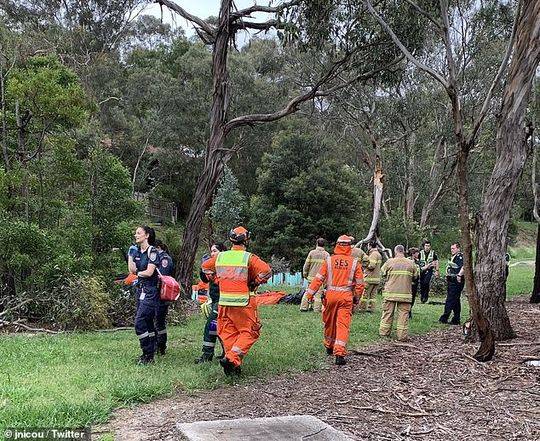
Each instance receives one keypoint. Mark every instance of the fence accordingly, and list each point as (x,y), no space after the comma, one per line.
(157,209)
(286,279)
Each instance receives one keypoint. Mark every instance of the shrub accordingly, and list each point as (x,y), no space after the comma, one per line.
(86,302)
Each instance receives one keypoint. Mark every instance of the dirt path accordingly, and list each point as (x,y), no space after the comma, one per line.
(428,389)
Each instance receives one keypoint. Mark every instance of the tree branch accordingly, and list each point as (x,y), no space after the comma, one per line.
(425,14)
(261,26)
(269,9)
(313,92)
(437,76)
(483,112)
(207,28)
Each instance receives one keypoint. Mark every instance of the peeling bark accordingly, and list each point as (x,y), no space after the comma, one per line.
(511,148)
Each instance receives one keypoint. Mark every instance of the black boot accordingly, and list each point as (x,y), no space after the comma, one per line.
(204,358)
(228,366)
(443,319)
(145,359)
(340,360)
(329,351)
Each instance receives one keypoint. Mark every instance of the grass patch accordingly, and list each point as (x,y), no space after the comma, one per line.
(74,380)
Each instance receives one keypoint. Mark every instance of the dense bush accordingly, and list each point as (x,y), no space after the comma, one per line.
(85,304)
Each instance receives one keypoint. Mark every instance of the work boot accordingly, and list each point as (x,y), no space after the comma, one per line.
(443,320)
(455,322)
(228,366)
(340,360)
(145,359)
(204,358)
(329,351)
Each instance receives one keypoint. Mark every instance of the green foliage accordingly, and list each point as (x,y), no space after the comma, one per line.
(85,304)
(228,206)
(396,229)
(302,194)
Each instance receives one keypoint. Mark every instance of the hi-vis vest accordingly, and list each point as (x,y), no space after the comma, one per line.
(423,261)
(232,273)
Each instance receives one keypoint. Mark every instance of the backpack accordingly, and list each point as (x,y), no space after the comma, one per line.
(170,288)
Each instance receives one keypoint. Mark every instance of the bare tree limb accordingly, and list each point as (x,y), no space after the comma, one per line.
(269,9)
(261,26)
(504,63)
(208,29)
(436,75)
(425,14)
(313,92)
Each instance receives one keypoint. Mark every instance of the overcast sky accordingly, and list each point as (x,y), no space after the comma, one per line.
(200,8)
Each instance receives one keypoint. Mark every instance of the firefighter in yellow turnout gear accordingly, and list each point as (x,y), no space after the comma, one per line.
(372,278)
(397,293)
(312,266)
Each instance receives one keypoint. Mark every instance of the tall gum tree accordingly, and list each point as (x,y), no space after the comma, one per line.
(486,297)
(221,36)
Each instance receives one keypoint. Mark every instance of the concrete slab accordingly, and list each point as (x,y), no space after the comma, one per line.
(290,428)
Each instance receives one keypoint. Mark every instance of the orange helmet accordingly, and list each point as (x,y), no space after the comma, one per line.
(345,240)
(239,235)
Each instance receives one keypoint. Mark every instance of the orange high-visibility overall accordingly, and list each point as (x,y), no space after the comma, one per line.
(238,320)
(344,280)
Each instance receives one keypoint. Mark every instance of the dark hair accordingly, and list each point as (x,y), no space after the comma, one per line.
(151,234)
(456,244)
(321,242)
(161,244)
(412,251)
(425,242)
(373,244)
(220,246)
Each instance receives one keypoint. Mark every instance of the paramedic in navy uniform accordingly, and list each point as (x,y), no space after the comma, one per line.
(166,268)
(143,262)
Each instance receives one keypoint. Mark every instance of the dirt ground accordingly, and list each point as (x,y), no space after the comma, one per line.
(427,389)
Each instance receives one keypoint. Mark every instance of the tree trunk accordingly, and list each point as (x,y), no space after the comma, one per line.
(535,296)
(480,325)
(511,149)
(4,117)
(215,153)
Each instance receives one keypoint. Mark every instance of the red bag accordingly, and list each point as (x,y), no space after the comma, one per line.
(170,288)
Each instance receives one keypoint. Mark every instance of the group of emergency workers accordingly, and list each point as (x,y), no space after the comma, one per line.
(339,284)
(348,281)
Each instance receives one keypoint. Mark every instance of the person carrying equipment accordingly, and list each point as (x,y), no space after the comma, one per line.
(165,268)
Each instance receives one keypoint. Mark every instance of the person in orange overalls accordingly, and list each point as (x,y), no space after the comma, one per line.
(238,273)
(344,287)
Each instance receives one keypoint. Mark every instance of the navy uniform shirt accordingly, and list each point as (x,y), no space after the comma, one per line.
(142,259)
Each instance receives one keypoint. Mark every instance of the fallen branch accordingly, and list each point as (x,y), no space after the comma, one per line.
(395,412)
(26,327)
(120,328)
(526,343)
(15,307)
(368,354)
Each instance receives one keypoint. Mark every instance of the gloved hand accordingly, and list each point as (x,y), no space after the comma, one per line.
(133,250)
(205,257)
(356,300)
